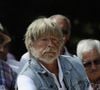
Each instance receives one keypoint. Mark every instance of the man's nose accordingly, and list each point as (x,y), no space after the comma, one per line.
(50,43)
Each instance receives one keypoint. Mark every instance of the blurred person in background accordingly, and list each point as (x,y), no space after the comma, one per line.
(5,55)
(64,23)
(88,50)
(7,75)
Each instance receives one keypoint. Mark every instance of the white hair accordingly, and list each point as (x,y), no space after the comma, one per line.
(87,45)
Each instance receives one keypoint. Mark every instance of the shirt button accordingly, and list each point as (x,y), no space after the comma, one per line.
(51,86)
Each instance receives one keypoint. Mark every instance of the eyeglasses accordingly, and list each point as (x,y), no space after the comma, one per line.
(95,62)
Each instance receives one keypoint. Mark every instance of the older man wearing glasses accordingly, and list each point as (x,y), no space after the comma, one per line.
(89,51)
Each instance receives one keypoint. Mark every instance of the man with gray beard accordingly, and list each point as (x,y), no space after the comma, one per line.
(47,69)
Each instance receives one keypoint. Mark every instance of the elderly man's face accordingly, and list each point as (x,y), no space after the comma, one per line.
(92,65)
(3,51)
(46,48)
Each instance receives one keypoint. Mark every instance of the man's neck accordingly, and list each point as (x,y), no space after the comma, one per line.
(52,67)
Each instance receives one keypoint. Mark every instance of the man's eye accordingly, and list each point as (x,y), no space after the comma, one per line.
(44,39)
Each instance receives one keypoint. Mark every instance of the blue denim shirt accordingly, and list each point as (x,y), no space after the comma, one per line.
(75,77)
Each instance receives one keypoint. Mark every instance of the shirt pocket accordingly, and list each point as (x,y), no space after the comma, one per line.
(78,85)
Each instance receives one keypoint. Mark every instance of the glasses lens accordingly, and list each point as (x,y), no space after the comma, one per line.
(96,62)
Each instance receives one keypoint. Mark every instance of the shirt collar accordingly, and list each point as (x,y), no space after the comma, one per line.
(59,66)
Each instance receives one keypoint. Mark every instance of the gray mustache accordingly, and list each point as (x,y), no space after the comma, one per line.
(49,50)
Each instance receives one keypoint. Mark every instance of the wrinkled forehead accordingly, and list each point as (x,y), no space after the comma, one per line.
(49,36)
(91,55)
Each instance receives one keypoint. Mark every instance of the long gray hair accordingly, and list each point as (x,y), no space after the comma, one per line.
(40,27)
